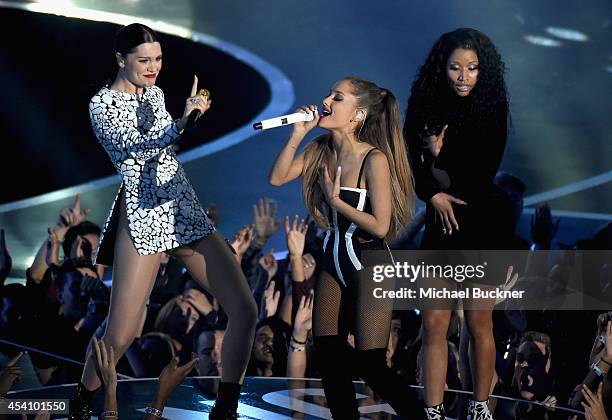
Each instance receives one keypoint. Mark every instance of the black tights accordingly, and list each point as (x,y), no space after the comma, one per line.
(336,311)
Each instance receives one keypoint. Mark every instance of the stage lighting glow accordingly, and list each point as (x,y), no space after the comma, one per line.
(568,34)
(609,69)
(542,41)
(28,261)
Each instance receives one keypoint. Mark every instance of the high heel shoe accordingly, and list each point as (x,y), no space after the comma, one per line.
(479,410)
(436,412)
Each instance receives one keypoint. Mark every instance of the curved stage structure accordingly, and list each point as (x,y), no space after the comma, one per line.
(263,398)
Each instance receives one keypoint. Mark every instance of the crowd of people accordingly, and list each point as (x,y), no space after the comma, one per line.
(64,301)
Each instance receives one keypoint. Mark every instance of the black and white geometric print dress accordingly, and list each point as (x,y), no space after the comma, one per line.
(162,208)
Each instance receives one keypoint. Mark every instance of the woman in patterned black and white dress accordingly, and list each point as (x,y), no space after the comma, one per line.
(157,210)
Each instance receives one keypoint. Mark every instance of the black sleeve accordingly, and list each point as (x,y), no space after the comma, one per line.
(421,162)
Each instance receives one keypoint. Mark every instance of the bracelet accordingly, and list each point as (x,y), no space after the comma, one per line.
(154,411)
(296,341)
(297,348)
(597,371)
(109,413)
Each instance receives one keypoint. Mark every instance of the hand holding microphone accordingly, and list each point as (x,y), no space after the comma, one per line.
(198,103)
(304,119)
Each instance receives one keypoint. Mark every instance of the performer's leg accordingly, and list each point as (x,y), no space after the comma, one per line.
(213,265)
(435,354)
(482,357)
(332,353)
(372,328)
(133,279)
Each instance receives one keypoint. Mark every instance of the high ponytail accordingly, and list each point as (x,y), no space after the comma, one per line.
(382,130)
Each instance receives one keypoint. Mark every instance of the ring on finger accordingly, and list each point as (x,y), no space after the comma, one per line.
(195,100)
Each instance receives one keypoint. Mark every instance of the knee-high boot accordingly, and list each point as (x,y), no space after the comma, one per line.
(333,356)
(373,369)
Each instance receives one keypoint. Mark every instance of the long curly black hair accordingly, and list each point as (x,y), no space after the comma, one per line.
(433,103)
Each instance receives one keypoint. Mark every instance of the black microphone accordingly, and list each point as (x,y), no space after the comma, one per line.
(195,114)
(192,118)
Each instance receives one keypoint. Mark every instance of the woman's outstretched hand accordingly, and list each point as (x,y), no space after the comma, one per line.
(105,363)
(195,101)
(442,203)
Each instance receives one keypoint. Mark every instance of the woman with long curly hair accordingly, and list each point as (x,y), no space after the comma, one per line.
(369,199)
(456,128)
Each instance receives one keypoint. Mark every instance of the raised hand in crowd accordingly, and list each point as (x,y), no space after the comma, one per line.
(543,229)
(593,403)
(296,235)
(600,360)
(10,374)
(303,319)
(105,368)
(269,264)
(296,361)
(6,262)
(550,402)
(242,240)
(199,301)
(169,379)
(53,256)
(42,415)
(265,223)
(310,264)
(70,215)
(296,239)
(270,300)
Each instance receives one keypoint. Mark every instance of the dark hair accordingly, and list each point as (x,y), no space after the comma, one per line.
(83,228)
(533,336)
(131,36)
(433,103)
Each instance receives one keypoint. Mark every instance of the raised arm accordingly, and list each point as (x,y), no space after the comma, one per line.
(119,133)
(287,166)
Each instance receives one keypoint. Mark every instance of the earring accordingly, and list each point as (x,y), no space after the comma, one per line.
(358,114)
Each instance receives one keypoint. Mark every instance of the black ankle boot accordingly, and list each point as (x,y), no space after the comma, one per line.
(227,402)
(80,406)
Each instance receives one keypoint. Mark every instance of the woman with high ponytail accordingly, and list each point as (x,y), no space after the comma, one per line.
(356,184)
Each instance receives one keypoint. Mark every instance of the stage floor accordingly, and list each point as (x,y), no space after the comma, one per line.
(261,398)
